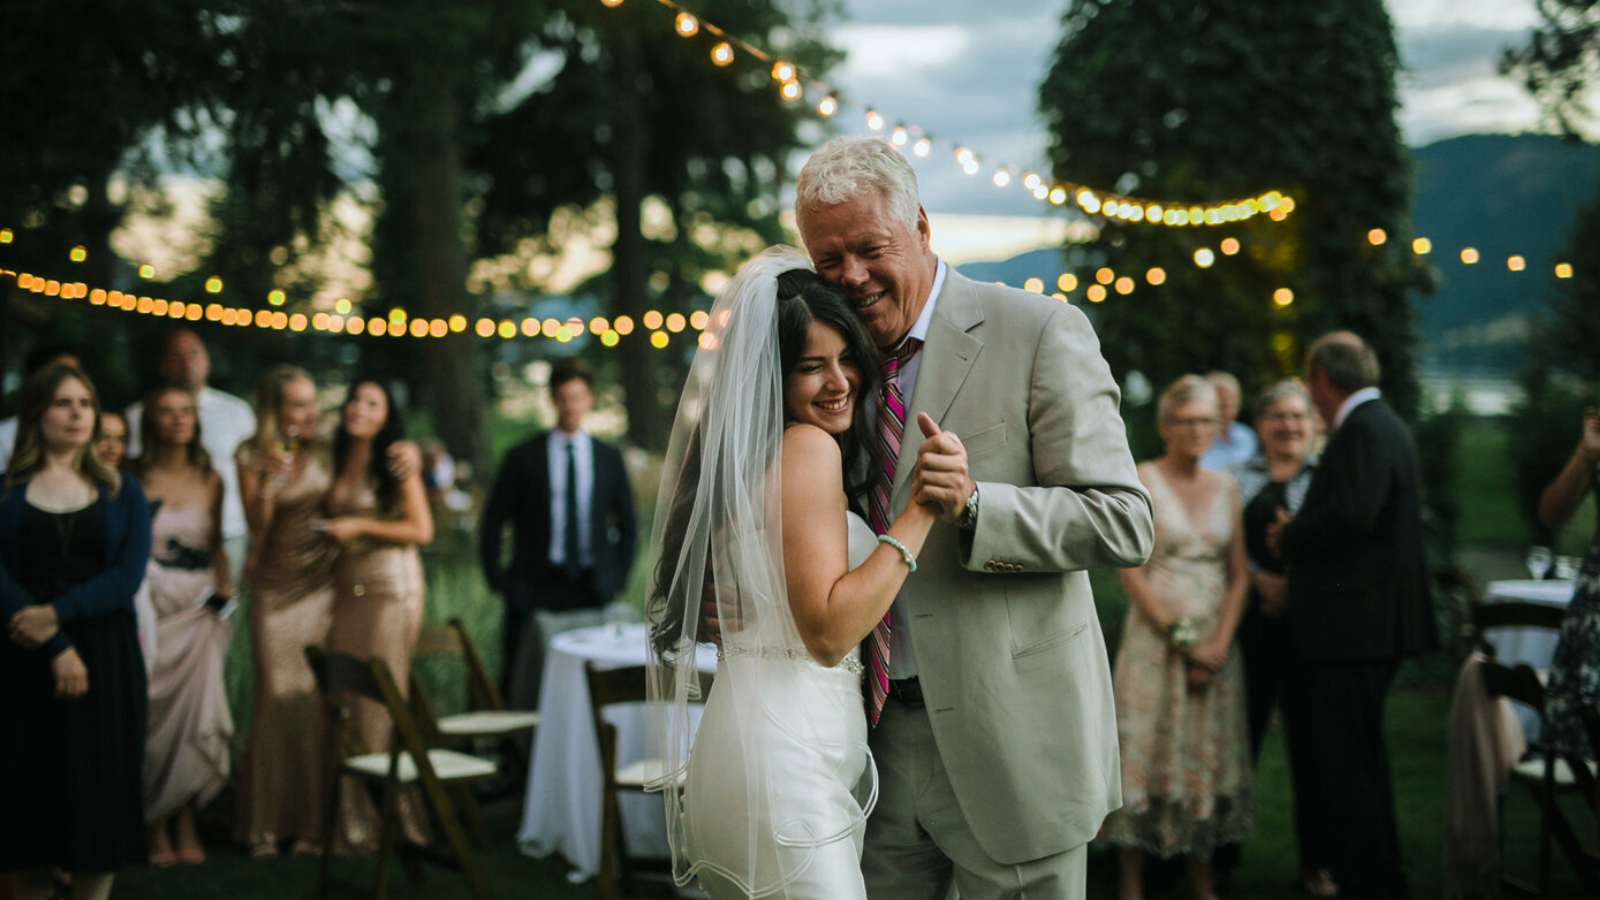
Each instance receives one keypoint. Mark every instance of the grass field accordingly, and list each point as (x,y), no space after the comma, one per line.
(1491,529)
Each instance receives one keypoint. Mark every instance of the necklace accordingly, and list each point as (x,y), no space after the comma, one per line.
(64,524)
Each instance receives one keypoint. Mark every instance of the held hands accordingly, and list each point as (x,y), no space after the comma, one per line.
(1209,654)
(343,529)
(72,677)
(1273,590)
(33,625)
(940,480)
(1275,531)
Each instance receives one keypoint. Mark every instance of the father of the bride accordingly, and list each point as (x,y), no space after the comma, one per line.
(995,737)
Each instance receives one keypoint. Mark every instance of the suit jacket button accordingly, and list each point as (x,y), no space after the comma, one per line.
(989,566)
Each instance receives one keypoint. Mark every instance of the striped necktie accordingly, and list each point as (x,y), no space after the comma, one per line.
(891,430)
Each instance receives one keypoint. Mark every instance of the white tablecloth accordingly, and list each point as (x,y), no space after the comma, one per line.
(1534,646)
(562,813)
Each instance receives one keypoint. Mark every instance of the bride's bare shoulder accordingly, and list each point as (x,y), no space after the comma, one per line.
(809,449)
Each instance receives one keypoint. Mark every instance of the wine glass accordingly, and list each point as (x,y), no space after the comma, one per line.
(1566,567)
(1538,562)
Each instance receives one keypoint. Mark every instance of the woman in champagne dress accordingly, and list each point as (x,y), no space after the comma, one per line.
(186,753)
(379,521)
(284,476)
(1181,712)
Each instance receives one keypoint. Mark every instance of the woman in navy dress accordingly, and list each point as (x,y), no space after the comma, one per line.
(74,540)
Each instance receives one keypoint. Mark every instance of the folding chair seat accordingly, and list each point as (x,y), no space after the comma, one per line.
(438,776)
(1547,776)
(608,687)
(485,720)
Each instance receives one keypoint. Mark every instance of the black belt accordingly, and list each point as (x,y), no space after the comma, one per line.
(906,690)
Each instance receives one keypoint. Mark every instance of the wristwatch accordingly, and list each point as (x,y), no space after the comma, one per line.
(970,523)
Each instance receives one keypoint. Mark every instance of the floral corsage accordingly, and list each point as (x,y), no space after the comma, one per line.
(1183,634)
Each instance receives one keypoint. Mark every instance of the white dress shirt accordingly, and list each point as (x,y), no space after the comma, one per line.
(8,437)
(583,461)
(1351,402)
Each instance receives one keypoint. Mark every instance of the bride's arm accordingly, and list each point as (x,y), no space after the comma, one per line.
(834,606)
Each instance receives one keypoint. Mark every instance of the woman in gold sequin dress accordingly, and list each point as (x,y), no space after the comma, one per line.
(284,476)
(378,520)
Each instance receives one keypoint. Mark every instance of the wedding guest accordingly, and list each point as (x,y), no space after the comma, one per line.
(74,538)
(186,754)
(378,520)
(1278,476)
(39,357)
(1575,669)
(1359,602)
(112,445)
(284,473)
(566,496)
(226,421)
(1235,442)
(1179,688)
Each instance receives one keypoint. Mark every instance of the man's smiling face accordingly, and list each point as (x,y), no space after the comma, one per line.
(884,267)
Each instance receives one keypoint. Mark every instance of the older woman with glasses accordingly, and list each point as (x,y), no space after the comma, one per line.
(1186,784)
(1278,476)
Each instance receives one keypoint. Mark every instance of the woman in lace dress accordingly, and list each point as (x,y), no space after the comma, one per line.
(186,753)
(1181,714)
(379,520)
(284,474)
(1575,668)
(755,512)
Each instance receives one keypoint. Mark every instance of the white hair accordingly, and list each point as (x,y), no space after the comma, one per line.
(847,166)
(1187,389)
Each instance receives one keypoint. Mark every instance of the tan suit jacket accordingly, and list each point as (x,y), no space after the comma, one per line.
(1010,654)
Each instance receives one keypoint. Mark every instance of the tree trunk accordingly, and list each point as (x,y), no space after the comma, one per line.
(646,422)
(455,390)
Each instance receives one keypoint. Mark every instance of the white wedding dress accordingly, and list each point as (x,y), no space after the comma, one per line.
(807,824)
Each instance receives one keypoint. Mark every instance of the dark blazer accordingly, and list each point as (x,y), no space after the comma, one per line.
(522,497)
(1358,575)
(127,553)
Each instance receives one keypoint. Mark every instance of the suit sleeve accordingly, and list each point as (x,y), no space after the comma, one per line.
(627,521)
(113,588)
(1358,485)
(1087,508)
(497,510)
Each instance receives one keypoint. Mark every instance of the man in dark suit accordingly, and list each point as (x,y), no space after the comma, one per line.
(567,498)
(1359,601)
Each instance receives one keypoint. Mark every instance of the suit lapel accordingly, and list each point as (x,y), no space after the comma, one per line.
(947,360)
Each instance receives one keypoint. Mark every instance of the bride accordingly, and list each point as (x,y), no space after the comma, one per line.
(770,797)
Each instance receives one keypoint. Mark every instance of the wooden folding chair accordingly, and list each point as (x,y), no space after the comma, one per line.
(1513,614)
(485,720)
(609,687)
(1547,775)
(440,777)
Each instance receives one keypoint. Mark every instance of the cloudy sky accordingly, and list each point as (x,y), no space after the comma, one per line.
(970,72)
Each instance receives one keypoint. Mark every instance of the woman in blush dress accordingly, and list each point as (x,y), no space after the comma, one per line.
(186,755)
(379,520)
(1181,715)
(74,538)
(772,798)
(284,475)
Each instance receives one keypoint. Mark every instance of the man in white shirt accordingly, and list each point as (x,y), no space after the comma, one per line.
(566,496)
(225,421)
(39,357)
(1235,442)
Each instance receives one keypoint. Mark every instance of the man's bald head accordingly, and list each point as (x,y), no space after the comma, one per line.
(184,361)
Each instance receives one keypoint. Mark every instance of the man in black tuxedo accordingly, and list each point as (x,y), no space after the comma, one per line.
(565,573)
(1359,601)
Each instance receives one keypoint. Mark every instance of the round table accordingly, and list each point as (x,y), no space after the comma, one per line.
(1534,646)
(562,812)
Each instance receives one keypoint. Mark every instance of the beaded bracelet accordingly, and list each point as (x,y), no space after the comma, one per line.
(911,561)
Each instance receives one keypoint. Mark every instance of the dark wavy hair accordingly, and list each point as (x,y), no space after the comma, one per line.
(195,455)
(393,429)
(803,298)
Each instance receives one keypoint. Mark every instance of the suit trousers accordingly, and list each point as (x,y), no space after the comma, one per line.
(919,845)
(1351,764)
(523,642)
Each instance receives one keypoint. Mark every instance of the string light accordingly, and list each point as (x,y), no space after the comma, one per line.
(687,25)
(722,53)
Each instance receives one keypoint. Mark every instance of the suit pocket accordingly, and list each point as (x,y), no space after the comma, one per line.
(988,439)
(1059,639)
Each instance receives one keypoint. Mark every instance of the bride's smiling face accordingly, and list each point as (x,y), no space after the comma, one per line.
(821,389)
